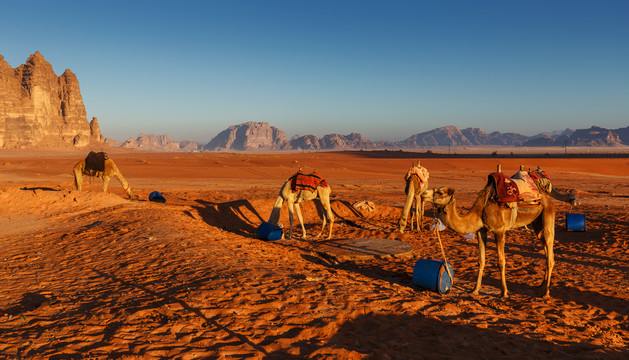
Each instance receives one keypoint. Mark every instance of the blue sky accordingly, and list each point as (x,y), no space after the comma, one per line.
(386,69)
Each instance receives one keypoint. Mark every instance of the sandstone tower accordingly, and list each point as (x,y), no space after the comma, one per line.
(40,109)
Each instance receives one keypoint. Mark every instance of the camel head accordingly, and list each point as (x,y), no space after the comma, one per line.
(442,195)
(572,198)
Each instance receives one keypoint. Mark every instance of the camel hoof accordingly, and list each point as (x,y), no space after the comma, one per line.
(474,292)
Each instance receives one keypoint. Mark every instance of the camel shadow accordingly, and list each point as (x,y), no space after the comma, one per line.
(371,270)
(43,188)
(390,336)
(29,302)
(233,216)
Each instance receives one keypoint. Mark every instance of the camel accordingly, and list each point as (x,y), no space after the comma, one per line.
(294,197)
(109,170)
(416,183)
(486,215)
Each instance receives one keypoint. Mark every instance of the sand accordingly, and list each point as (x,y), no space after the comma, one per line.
(95,275)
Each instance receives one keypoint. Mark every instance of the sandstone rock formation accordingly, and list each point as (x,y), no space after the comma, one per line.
(251,136)
(152,143)
(40,109)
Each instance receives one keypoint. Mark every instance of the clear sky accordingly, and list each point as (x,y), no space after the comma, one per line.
(387,69)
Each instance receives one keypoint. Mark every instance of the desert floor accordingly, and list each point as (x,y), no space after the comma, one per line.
(95,275)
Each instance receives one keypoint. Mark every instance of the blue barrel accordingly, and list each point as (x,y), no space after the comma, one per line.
(575,222)
(268,231)
(432,275)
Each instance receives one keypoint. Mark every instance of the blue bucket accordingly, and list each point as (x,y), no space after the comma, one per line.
(268,231)
(575,222)
(432,275)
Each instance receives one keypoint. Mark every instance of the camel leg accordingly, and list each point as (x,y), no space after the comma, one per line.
(548,238)
(420,216)
(105,183)
(78,180)
(301,220)
(330,216)
(502,262)
(482,243)
(290,205)
(407,208)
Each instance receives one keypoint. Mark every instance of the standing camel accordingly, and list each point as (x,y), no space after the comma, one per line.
(300,188)
(416,183)
(101,166)
(487,215)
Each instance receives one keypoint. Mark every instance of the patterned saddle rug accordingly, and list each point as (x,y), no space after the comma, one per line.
(95,162)
(311,182)
(519,188)
(542,180)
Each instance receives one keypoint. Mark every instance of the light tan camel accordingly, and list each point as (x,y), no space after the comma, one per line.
(294,198)
(111,170)
(416,183)
(488,216)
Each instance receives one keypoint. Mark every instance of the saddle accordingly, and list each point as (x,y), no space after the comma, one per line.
(311,182)
(418,171)
(542,180)
(95,162)
(515,191)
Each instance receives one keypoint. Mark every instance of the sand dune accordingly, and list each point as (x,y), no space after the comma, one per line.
(94,275)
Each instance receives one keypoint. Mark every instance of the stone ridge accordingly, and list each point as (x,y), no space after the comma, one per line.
(40,109)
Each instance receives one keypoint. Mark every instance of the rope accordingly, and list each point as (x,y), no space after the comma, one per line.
(443,253)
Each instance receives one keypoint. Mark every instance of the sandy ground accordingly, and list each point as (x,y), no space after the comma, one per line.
(94,275)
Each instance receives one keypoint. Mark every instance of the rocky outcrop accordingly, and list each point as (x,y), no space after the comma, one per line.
(39,108)
(152,142)
(594,136)
(251,136)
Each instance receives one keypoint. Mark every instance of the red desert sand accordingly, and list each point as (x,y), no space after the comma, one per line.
(96,275)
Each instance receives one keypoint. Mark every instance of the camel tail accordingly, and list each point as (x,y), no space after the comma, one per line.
(275,213)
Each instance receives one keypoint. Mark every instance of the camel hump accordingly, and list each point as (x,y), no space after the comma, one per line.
(96,161)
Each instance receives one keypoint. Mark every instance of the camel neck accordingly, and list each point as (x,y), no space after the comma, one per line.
(467,223)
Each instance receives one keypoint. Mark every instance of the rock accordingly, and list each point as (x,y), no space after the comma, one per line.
(39,108)
(152,143)
(251,136)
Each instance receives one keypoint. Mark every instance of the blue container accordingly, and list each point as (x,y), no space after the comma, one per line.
(268,231)
(432,275)
(157,197)
(575,222)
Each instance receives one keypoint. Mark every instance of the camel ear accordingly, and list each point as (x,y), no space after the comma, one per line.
(450,191)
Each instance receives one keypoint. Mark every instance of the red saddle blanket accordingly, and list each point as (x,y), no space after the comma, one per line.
(301,181)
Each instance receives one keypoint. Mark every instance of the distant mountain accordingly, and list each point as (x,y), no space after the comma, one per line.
(261,136)
(594,136)
(251,136)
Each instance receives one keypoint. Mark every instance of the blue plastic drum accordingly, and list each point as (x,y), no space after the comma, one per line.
(575,222)
(432,275)
(268,231)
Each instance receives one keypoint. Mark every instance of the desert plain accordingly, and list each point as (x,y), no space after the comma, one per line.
(96,275)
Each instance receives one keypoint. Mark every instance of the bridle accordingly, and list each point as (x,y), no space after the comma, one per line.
(438,208)
(127,189)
